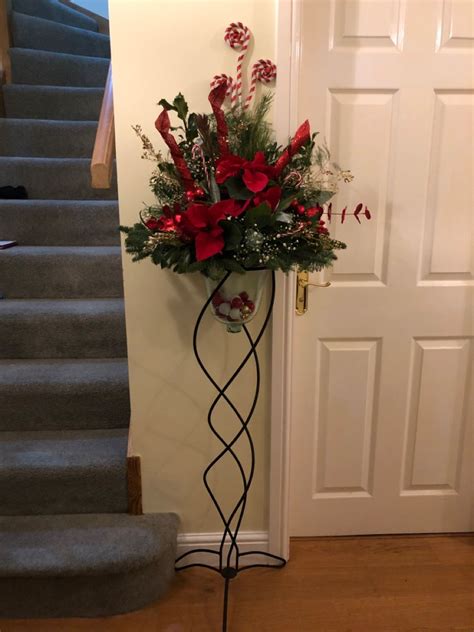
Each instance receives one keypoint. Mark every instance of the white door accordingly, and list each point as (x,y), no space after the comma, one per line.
(382,419)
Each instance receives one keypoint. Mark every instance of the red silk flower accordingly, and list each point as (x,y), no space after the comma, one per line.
(201,223)
(271,196)
(256,172)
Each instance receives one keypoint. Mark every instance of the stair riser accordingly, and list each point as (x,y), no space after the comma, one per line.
(53,69)
(64,407)
(44,102)
(56,12)
(97,334)
(56,224)
(51,179)
(36,33)
(89,596)
(58,276)
(76,490)
(25,138)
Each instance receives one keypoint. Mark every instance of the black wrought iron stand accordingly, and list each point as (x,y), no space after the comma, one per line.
(228,563)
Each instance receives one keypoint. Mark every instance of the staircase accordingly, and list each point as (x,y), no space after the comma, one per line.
(67,545)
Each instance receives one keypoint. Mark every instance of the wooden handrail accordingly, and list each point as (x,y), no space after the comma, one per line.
(5,43)
(103,154)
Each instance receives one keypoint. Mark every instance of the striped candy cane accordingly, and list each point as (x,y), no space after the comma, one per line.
(220,79)
(238,37)
(265,72)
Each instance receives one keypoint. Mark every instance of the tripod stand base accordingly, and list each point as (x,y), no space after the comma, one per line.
(229,573)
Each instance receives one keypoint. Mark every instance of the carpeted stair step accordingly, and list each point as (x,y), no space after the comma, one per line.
(73,471)
(62,329)
(84,565)
(61,271)
(52,102)
(46,138)
(55,11)
(53,178)
(60,222)
(40,34)
(74,394)
(36,67)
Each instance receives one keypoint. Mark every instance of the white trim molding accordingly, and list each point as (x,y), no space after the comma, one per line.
(288,59)
(248,541)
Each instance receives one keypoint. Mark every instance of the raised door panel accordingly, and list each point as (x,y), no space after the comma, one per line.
(360,134)
(456,27)
(448,251)
(437,414)
(346,417)
(367,24)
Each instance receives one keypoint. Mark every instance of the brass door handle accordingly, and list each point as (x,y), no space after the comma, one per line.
(302,291)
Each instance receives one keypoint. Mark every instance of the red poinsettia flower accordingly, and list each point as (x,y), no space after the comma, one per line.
(256,172)
(201,223)
(271,196)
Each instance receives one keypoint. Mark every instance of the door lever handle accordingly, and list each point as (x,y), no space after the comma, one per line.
(305,284)
(302,291)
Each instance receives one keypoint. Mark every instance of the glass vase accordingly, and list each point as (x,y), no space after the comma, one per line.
(238,299)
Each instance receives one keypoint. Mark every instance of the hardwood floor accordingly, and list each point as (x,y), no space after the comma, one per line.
(360,584)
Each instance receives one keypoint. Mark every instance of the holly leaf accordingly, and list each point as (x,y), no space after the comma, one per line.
(286,201)
(237,189)
(252,260)
(286,218)
(181,106)
(231,265)
(261,216)
(166,104)
(232,234)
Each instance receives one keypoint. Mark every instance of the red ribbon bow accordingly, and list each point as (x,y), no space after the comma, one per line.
(300,138)
(216,98)
(163,125)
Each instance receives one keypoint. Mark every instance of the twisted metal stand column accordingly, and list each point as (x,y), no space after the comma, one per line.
(228,563)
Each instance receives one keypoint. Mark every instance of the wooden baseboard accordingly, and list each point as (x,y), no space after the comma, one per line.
(134,484)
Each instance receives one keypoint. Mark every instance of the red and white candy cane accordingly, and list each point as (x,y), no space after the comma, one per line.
(238,37)
(264,71)
(220,79)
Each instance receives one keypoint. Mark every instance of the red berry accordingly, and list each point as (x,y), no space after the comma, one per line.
(200,192)
(237,302)
(244,296)
(217,299)
(190,195)
(300,209)
(250,305)
(294,204)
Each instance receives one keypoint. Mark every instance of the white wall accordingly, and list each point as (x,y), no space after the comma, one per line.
(101,7)
(161,47)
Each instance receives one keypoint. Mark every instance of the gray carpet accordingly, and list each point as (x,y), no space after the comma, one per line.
(47,138)
(98,564)
(67,547)
(52,102)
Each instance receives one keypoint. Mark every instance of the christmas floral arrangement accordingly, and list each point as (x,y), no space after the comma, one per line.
(230,198)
